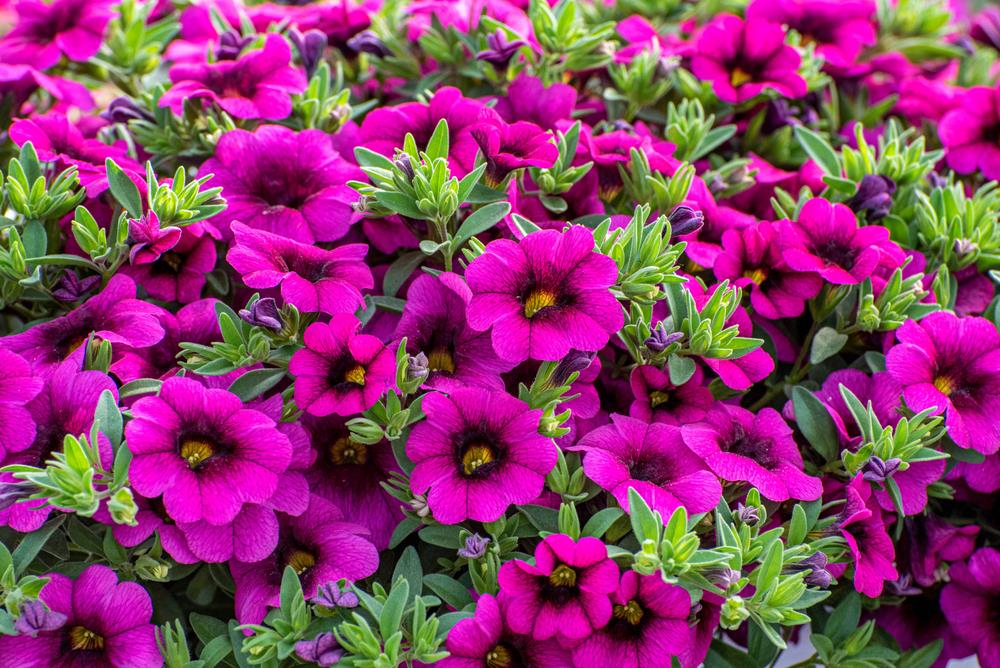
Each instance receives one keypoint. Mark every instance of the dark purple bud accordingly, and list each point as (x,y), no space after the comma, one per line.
(330,595)
(263,313)
(12,492)
(965,247)
(35,618)
(874,196)
(748,515)
(659,339)
(877,471)
(418,367)
(367,41)
(231,43)
(685,220)
(818,575)
(902,587)
(499,51)
(123,110)
(405,165)
(575,360)
(310,46)
(620,125)
(986,27)
(779,114)
(475,547)
(936,180)
(71,288)
(724,577)
(323,650)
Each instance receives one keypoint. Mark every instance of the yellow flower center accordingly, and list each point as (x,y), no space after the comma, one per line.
(499,657)
(945,385)
(355,374)
(757,275)
(477,456)
(740,77)
(563,576)
(657,398)
(301,561)
(538,300)
(195,451)
(346,451)
(631,612)
(81,638)
(440,359)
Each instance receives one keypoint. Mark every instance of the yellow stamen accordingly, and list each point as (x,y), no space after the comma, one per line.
(477,456)
(195,451)
(740,77)
(757,275)
(81,638)
(499,657)
(563,576)
(631,612)
(538,300)
(301,561)
(657,398)
(944,384)
(356,375)
(346,451)
(440,359)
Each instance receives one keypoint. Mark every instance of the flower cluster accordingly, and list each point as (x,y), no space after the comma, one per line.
(499,334)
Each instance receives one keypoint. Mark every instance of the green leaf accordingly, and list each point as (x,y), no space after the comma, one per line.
(818,149)
(601,521)
(392,610)
(524,226)
(449,590)
(844,619)
(442,535)
(34,238)
(207,628)
(254,383)
(815,423)
(123,189)
(399,271)
(541,517)
(109,418)
(139,387)
(438,145)
(481,194)
(409,567)
(400,203)
(923,657)
(291,588)
(369,158)
(402,531)
(32,544)
(827,343)
(770,567)
(768,630)
(645,524)
(681,369)
(481,220)
(236,637)
(215,651)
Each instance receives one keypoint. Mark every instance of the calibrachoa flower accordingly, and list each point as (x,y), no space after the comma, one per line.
(515,146)
(203,451)
(178,274)
(860,523)
(740,446)
(45,31)
(311,279)
(258,84)
(969,602)
(743,59)
(544,295)
(565,594)
(340,371)
(950,364)
(968,132)
(653,460)
(656,399)
(18,386)
(478,452)
(107,623)
(286,183)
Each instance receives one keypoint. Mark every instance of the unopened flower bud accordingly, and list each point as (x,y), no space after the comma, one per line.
(367,41)
(748,515)
(874,196)
(876,470)
(685,220)
(323,650)
(734,613)
(34,618)
(122,507)
(475,547)
(310,46)
(332,595)
(659,339)
(263,313)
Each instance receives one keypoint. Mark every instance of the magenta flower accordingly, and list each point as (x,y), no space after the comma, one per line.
(743,59)
(65,405)
(178,275)
(18,386)
(149,240)
(529,100)
(203,452)
(545,295)
(515,146)
(840,29)
(152,518)
(107,623)
(385,128)
(658,400)
(44,31)
(57,140)
(312,279)
(259,84)
(861,525)
(968,132)
(292,184)
(113,315)
(485,640)
(827,240)
(566,594)
(434,324)
(951,364)
(751,259)
(319,544)
(350,475)
(478,452)
(653,460)
(933,541)
(649,624)
(340,371)
(19,82)
(759,449)
(970,601)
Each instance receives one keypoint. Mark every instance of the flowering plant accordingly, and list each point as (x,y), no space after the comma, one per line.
(499,334)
